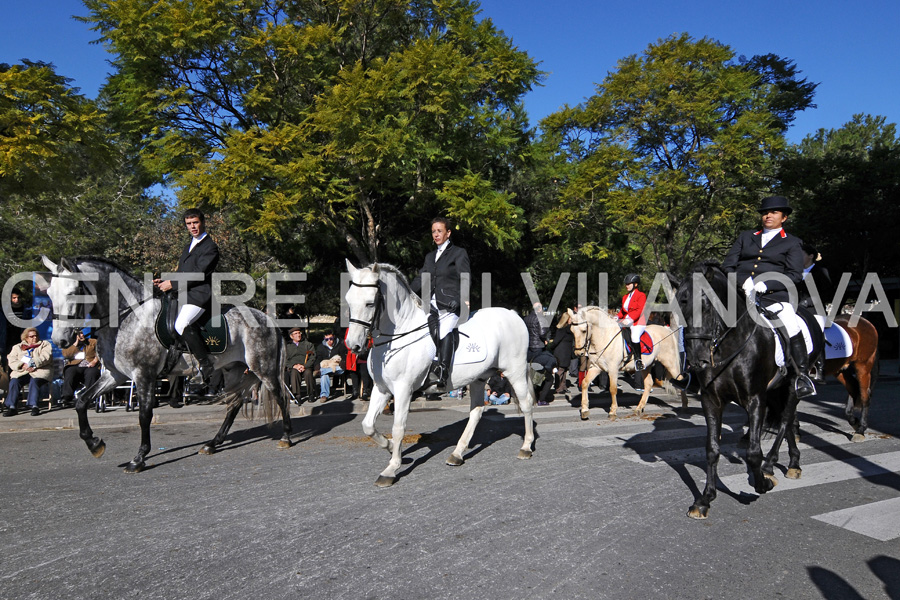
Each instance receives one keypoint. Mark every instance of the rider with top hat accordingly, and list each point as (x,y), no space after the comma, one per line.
(631,316)
(446,264)
(770,249)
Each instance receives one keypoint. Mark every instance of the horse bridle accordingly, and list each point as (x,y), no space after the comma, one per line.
(371,326)
(697,333)
(80,313)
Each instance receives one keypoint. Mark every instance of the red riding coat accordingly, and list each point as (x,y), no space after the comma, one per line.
(635,307)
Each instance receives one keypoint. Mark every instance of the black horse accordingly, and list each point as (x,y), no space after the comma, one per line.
(735,364)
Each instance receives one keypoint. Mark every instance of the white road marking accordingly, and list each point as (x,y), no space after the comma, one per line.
(879,520)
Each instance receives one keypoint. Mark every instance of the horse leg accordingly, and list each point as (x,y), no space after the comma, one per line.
(785,429)
(377,401)
(648,383)
(712,411)
(286,425)
(96,445)
(592,372)
(401,412)
(849,379)
(476,408)
(210,446)
(144,389)
(613,392)
(761,483)
(526,405)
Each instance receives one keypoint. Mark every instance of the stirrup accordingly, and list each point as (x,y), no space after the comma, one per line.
(638,364)
(803,386)
(682,381)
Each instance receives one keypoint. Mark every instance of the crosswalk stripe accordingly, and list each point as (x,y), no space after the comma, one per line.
(878,520)
(829,471)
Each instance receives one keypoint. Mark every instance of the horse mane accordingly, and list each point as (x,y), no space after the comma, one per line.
(113,265)
(400,277)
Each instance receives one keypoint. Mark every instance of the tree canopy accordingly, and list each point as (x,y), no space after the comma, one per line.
(361,120)
(671,152)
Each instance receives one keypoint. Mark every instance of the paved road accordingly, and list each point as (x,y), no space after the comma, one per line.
(599,512)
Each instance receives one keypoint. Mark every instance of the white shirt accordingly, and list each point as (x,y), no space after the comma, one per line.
(768,234)
(196,240)
(440,249)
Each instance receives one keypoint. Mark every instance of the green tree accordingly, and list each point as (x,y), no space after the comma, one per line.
(846,184)
(305,119)
(671,153)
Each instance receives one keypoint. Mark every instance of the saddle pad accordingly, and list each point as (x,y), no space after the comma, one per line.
(837,341)
(471,349)
(646,344)
(216,338)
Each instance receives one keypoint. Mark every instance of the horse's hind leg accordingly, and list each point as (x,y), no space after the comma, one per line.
(476,394)
(785,430)
(851,381)
(525,397)
(761,483)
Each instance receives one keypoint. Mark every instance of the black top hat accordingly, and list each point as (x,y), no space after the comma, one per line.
(775,203)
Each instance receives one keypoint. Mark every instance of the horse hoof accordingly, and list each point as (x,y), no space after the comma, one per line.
(98,450)
(383,481)
(858,437)
(207,450)
(698,512)
(283,444)
(585,414)
(524,454)
(772,482)
(793,473)
(612,416)
(638,411)
(454,460)
(134,467)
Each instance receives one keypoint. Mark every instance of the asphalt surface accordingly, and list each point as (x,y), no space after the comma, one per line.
(598,512)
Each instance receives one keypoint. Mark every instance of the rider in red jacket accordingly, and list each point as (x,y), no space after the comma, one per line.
(630,316)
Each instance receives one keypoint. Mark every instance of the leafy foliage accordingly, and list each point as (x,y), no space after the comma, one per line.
(846,183)
(671,152)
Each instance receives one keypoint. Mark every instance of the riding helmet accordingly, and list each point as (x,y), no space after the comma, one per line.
(632,278)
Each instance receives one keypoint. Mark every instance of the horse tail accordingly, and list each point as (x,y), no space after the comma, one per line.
(776,403)
(238,391)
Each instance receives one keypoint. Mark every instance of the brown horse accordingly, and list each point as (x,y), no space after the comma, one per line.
(857,372)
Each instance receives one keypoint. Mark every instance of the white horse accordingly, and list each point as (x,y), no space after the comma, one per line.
(382,304)
(600,337)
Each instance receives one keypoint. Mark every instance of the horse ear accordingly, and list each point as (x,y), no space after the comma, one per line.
(51,266)
(350,268)
(571,314)
(375,268)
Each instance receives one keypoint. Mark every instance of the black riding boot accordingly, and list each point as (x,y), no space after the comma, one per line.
(636,354)
(802,383)
(197,346)
(445,355)
(819,368)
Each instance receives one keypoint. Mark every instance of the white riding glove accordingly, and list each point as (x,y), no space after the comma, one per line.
(626,322)
(760,287)
(748,286)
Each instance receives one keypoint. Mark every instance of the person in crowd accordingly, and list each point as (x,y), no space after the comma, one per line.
(300,364)
(770,249)
(357,370)
(12,333)
(30,362)
(497,390)
(446,264)
(330,356)
(632,319)
(542,362)
(82,367)
(200,255)
(563,348)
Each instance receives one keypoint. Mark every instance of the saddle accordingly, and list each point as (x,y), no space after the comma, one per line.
(646,344)
(816,337)
(216,337)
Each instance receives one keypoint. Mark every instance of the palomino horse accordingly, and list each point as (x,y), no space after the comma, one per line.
(131,350)
(735,364)
(857,372)
(382,304)
(599,336)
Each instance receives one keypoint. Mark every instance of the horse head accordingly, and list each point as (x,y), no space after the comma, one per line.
(581,331)
(365,300)
(63,292)
(698,296)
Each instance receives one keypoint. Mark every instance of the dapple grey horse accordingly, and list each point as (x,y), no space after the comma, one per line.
(129,349)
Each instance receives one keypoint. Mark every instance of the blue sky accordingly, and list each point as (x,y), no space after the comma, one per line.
(852,49)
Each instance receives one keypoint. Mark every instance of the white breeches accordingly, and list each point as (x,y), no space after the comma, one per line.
(786,313)
(187,315)
(446,320)
(636,332)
